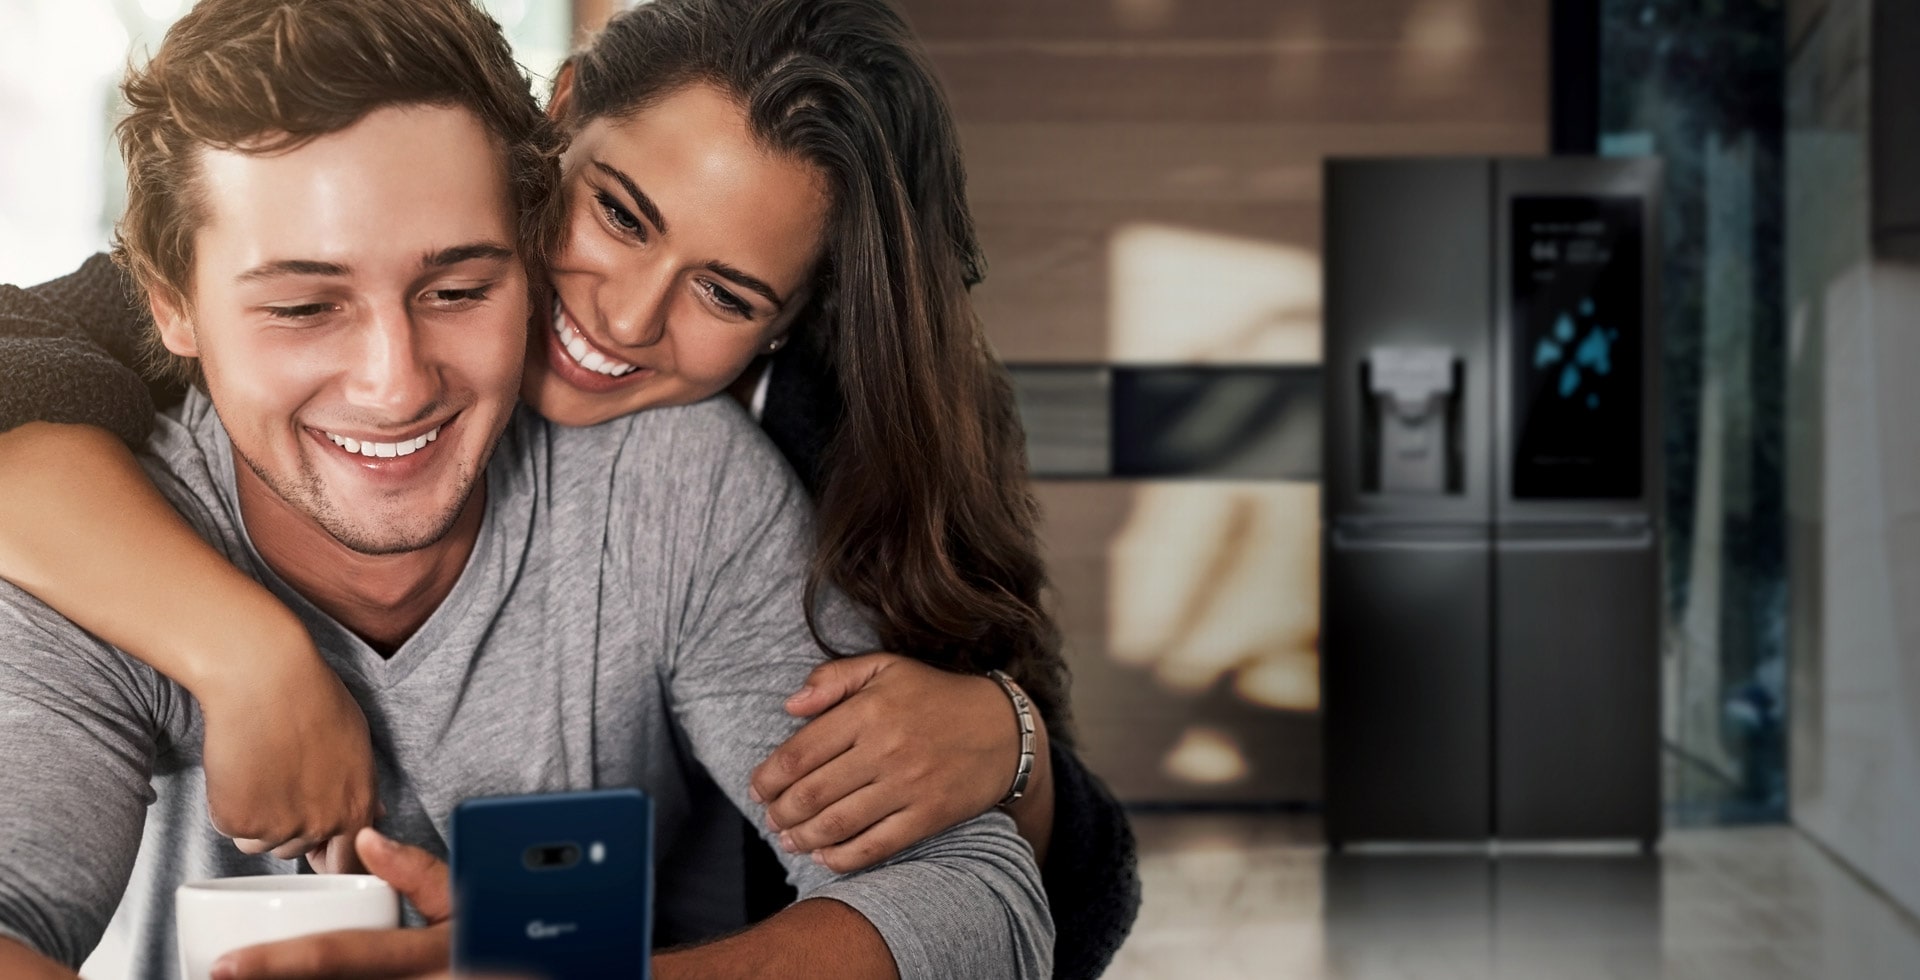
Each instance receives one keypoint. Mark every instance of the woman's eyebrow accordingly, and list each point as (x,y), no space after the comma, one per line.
(640,199)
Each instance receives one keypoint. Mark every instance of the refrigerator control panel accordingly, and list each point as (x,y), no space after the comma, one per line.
(1577,359)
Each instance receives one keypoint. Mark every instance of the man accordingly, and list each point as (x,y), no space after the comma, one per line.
(323,212)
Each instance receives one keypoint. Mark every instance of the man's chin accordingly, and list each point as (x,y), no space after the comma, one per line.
(397,536)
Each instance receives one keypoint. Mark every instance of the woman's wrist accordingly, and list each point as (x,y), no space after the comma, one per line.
(1032,812)
(1026,727)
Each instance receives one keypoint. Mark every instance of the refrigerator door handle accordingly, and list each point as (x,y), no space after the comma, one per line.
(1344,540)
(1637,542)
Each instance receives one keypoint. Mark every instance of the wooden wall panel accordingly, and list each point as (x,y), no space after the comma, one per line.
(1272,21)
(1082,119)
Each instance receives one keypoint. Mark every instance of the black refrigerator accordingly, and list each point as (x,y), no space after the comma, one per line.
(1490,652)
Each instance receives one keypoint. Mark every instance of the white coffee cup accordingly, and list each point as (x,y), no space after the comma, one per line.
(219,915)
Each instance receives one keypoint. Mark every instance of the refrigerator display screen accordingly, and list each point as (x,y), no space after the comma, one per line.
(1576,354)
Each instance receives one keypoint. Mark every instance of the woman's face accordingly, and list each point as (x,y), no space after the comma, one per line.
(689,249)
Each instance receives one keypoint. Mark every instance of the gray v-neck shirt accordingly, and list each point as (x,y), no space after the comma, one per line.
(631,615)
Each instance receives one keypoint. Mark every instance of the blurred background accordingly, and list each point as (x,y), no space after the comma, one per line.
(1147,177)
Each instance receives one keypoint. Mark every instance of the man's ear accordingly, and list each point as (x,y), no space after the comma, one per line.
(176,326)
(562,102)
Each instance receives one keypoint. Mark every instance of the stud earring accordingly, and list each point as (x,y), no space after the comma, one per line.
(774,345)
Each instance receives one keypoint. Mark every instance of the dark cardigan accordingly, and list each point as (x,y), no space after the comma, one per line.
(70,351)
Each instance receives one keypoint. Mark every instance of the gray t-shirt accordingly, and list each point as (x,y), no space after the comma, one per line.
(631,615)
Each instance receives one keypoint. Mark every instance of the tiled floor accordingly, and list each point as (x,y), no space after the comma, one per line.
(1246,896)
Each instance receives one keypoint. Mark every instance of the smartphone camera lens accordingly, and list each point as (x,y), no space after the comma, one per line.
(551,857)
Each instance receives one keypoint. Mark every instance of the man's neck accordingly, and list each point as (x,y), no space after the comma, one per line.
(384,599)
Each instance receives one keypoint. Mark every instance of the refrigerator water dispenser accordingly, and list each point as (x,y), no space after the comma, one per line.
(1411,402)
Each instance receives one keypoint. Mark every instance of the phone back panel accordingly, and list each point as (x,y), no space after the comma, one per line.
(557,885)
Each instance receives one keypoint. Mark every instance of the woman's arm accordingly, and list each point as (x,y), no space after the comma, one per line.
(1092,876)
(897,752)
(286,753)
(70,352)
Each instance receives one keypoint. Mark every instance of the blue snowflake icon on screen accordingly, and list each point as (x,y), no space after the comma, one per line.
(1592,355)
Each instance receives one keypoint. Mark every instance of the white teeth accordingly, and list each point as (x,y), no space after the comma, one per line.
(384,450)
(584,355)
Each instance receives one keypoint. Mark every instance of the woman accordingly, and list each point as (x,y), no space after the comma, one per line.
(762,197)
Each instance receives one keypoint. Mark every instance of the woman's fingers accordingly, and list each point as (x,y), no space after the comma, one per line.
(836,680)
(845,819)
(886,837)
(294,848)
(816,794)
(336,857)
(817,743)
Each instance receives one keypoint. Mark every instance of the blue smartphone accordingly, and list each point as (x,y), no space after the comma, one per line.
(558,885)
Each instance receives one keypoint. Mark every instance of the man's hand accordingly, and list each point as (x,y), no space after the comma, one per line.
(899,752)
(414,873)
(289,763)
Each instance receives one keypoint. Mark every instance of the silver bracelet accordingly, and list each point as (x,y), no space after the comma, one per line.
(1023,710)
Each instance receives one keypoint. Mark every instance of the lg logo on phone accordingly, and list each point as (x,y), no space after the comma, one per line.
(540,930)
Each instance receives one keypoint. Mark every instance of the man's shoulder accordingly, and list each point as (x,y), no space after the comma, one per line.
(42,654)
(684,487)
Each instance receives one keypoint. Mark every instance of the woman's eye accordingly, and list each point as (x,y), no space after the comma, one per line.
(620,217)
(727,300)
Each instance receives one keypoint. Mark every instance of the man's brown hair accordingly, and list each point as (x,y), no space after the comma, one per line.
(264,76)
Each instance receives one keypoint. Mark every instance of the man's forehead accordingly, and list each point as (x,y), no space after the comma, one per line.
(401,183)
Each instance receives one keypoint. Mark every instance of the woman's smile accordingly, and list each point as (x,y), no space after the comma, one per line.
(583,364)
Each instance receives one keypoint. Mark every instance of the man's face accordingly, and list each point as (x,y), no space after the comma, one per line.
(360,312)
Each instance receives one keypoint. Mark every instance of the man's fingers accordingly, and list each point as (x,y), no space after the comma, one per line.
(819,790)
(835,681)
(842,821)
(817,742)
(347,953)
(420,876)
(255,845)
(883,840)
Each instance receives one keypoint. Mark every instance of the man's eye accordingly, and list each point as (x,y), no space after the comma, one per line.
(619,216)
(460,297)
(304,311)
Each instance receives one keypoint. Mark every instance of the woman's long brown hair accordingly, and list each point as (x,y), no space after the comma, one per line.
(924,513)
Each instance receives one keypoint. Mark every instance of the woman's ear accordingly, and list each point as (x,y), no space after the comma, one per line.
(176,326)
(561,104)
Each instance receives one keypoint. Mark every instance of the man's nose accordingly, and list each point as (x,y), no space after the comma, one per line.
(395,380)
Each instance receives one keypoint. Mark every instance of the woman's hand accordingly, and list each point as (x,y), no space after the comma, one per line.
(899,752)
(418,876)
(288,760)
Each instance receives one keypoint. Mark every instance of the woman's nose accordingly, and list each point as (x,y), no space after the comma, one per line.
(636,313)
